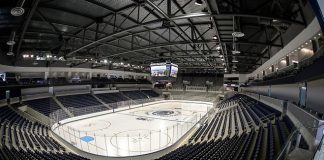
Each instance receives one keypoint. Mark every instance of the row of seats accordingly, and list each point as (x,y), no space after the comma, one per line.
(229,120)
(25,139)
(77,103)
(112,97)
(220,136)
(63,80)
(44,105)
(126,95)
(106,80)
(257,145)
(134,95)
(150,93)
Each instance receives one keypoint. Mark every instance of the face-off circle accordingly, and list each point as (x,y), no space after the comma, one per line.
(164,113)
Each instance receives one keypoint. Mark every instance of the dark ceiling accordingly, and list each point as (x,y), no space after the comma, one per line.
(144,31)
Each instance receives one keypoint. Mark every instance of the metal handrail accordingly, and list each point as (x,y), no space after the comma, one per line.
(283,150)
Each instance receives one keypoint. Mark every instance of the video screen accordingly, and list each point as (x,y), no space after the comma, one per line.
(164,70)
(174,71)
(159,71)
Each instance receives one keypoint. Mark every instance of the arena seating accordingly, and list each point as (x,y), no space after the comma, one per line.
(225,134)
(111,97)
(44,106)
(25,139)
(105,80)
(150,93)
(134,95)
(126,95)
(77,102)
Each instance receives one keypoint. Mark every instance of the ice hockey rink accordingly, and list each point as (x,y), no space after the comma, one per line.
(134,131)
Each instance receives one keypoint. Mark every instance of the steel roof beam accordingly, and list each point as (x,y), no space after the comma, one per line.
(25,26)
(149,2)
(158,46)
(206,14)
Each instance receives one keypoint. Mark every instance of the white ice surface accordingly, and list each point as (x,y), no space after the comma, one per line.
(135,131)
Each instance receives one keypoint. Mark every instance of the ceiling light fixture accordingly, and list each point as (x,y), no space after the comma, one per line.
(11,43)
(17,11)
(215,37)
(10,53)
(11,40)
(238,34)
(236,52)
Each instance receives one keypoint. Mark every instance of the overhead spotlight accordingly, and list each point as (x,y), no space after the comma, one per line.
(215,37)
(198,2)
(218,47)
(10,54)
(11,40)
(274,20)
(238,34)
(10,43)
(105,61)
(17,11)
(236,52)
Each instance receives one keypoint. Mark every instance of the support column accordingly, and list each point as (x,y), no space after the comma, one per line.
(287,60)
(315,45)
(46,75)
(298,140)
(284,108)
